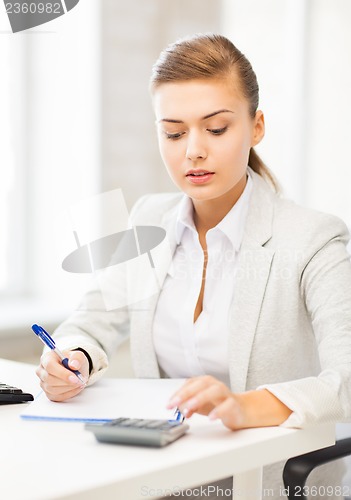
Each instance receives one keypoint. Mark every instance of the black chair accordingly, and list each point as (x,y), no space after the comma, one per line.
(297,469)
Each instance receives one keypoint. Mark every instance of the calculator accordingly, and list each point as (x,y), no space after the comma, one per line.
(137,431)
(11,395)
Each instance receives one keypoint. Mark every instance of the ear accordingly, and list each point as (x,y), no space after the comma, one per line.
(258,128)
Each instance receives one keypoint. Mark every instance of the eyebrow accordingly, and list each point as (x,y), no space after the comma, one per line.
(170,120)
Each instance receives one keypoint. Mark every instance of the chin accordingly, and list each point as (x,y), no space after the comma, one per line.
(202,194)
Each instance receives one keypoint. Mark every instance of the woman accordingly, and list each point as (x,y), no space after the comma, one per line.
(263,285)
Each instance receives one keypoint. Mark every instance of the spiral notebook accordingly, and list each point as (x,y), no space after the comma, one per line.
(109,399)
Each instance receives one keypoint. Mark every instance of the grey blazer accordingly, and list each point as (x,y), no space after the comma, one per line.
(290,320)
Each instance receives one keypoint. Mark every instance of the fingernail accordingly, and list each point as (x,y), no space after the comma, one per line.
(185,412)
(74,380)
(192,403)
(213,415)
(173,402)
(74,364)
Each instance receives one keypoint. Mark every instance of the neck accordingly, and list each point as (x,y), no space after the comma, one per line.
(208,213)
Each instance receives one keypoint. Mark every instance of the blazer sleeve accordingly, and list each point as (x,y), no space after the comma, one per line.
(92,326)
(325,286)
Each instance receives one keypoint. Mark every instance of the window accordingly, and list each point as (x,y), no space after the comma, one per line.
(12,105)
(50,156)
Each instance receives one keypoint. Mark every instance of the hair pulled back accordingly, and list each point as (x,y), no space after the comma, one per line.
(205,56)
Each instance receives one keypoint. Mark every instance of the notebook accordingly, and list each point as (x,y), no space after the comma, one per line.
(109,399)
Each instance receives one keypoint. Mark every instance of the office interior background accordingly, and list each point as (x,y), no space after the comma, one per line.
(76,120)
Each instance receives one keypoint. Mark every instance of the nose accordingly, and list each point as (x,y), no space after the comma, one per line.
(196,147)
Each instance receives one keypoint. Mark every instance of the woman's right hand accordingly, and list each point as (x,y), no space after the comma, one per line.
(57,382)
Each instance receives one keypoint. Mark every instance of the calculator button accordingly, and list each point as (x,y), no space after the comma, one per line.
(155,424)
(169,425)
(140,424)
(10,390)
(118,421)
(129,422)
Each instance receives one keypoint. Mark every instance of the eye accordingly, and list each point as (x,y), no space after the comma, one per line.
(175,136)
(217,131)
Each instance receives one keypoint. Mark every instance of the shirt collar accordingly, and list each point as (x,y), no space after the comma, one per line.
(232,225)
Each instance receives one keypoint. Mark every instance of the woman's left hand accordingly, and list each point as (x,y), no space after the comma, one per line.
(209,396)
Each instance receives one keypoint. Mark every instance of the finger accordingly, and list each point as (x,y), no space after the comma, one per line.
(78,361)
(52,364)
(230,412)
(205,400)
(45,377)
(189,389)
(50,380)
(57,396)
(68,378)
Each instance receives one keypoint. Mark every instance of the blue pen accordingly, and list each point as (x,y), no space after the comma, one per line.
(49,342)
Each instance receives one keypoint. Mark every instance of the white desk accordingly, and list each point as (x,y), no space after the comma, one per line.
(52,460)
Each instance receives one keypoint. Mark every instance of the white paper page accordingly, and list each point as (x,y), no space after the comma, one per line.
(109,399)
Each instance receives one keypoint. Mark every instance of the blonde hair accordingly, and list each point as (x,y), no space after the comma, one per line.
(203,56)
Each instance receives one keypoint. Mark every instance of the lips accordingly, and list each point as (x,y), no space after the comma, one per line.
(198,173)
(199,176)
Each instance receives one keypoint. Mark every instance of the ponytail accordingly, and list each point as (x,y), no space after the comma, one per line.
(260,168)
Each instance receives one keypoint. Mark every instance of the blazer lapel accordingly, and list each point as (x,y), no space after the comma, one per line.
(250,283)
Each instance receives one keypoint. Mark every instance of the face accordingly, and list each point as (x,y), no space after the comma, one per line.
(205,133)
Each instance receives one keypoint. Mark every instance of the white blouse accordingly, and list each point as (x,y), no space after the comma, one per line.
(184,348)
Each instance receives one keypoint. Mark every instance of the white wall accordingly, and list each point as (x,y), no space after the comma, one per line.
(300,50)
(328,156)
(133,35)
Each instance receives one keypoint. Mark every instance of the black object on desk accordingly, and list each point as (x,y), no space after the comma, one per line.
(13,395)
